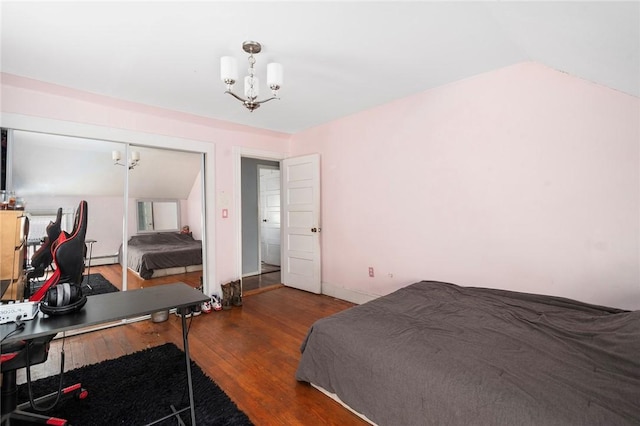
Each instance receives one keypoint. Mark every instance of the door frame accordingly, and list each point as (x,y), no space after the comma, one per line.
(237,153)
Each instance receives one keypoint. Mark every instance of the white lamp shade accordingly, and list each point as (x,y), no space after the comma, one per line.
(274,75)
(135,155)
(228,68)
(115,155)
(249,90)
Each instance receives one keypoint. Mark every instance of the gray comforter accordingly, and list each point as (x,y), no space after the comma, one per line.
(438,354)
(164,250)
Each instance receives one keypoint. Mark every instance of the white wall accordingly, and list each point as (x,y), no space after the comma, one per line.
(524,178)
(104,219)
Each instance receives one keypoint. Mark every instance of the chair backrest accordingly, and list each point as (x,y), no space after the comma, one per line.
(43,257)
(68,252)
(69,249)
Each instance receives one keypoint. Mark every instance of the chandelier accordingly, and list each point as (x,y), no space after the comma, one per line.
(133,161)
(229,75)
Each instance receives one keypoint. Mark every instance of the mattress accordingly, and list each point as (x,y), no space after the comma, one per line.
(437,353)
(156,273)
(149,252)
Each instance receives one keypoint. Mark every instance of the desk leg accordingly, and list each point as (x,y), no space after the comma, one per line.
(192,406)
(89,266)
(185,342)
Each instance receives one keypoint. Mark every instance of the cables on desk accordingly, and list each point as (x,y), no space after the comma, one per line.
(19,327)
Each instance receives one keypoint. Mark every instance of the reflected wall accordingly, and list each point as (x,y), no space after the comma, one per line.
(51,171)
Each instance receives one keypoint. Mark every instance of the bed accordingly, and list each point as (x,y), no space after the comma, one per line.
(437,353)
(167,253)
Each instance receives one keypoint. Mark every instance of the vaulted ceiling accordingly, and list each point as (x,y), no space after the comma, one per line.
(339,57)
(62,166)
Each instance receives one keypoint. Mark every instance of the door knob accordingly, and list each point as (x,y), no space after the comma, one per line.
(315,229)
(264,220)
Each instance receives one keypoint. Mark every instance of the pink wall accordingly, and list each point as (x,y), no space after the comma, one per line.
(34,98)
(524,178)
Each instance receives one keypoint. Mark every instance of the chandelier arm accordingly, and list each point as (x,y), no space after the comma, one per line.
(266,100)
(130,166)
(236,96)
(249,100)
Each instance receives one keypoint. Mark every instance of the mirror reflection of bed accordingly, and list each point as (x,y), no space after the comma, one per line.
(162,176)
(158,254)
(168,200)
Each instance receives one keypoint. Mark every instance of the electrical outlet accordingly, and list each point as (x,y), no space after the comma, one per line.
(371,271)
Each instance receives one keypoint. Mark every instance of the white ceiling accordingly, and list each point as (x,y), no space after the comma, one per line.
(339,57)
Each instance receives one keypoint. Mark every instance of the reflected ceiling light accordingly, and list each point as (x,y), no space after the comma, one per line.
(135,158)
(229,75)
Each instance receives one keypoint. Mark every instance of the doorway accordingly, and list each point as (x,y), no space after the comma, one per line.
(260,227)
(269,217)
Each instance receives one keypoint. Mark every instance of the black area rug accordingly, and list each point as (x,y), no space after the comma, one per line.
(99,285)
(139,388)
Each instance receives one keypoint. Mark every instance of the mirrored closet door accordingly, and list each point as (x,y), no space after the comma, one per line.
(165,215)
(134,193)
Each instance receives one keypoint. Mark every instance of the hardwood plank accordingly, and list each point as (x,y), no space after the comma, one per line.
(251,352)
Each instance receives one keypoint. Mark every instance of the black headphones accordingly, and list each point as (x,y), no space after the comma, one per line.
(63,298)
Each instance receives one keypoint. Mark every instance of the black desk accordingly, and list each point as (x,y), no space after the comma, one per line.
(110,307)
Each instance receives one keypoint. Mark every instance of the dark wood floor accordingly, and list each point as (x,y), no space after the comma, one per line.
(251,352)
(270,276)
(114,274)
(252,284)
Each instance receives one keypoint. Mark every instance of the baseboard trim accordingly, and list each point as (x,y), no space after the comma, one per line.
(250,274)
(102,260)
(347,294)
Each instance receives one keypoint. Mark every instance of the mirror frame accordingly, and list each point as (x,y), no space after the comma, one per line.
(153,229)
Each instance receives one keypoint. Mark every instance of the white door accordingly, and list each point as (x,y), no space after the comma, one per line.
(301,223)
(269,214)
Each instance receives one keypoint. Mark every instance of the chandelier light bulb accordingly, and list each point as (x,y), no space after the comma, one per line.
(228,70)
(135,159)
(274,76)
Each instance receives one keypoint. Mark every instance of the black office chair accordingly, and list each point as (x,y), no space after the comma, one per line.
(61,294)
(43,257)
